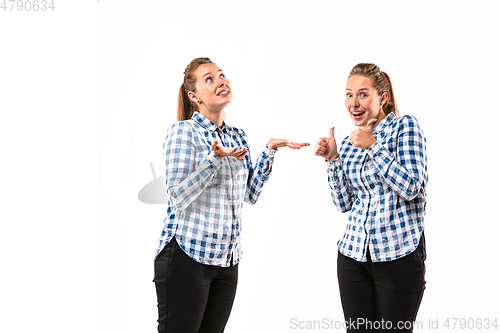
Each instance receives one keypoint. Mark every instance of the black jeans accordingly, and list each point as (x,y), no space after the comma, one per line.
(192,297)
(382,296)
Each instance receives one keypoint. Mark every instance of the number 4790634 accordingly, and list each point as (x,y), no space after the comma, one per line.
(28,5)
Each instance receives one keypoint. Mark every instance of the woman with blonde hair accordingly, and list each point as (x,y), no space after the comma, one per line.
(378,176)
(209,174)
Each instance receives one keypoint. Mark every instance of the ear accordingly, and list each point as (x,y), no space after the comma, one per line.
(193,97)
(383,98)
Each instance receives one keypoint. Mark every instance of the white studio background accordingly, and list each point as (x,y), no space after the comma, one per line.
(85,120)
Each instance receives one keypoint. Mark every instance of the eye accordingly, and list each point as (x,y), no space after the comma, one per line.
(364,95)
(348,95)
(208,79)
(222,76)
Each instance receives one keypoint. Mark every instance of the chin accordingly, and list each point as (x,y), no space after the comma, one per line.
(358,123)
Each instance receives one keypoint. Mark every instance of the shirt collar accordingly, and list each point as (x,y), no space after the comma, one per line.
(386,121)
(208,124)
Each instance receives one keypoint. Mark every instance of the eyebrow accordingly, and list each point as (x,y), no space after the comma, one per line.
(358,90)
(220,70)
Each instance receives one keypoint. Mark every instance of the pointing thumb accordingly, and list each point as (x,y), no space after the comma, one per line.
(331,132)
(369,125)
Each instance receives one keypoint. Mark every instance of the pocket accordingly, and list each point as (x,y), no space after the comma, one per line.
(167,253)
(162,261)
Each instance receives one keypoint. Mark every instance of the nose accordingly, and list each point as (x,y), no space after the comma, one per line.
(354,102)
(221,82)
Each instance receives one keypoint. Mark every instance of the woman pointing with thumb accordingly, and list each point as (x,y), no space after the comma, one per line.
(379,176)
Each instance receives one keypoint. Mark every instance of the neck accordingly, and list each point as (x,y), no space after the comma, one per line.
(380,117)
(215,116)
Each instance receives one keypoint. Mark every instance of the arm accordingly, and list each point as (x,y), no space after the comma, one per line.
(339,188)
(258,176)
(185,179)
(405,170)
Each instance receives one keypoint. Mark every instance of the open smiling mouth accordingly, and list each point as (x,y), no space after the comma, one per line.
(223,93)
(358,114)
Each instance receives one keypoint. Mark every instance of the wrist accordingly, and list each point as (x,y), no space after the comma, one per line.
(271,146)
(221,156)
(371,144)
(332,158)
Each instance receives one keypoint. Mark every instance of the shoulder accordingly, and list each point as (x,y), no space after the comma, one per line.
(179,125)
(407,120)
(405,124)
(180,129)
(408,129)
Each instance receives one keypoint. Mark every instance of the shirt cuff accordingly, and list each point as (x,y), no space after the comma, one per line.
(214,160)
(269,151)
(375,149)
(334,164)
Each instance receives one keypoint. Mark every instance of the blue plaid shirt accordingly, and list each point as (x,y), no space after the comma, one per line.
(205,193)
(383,189)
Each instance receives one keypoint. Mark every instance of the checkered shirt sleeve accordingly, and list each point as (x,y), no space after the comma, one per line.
(404,172)
(339,188)
(383,189)
(259,175)
(184,178)
(206,193)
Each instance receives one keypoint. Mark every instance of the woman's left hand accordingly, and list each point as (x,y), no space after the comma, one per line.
(363,137)
(277,143)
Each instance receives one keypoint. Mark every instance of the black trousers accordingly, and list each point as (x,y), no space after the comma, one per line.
(382,296)
(192,297)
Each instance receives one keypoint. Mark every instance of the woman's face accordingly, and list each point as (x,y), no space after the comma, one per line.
(212,88)
(362,101)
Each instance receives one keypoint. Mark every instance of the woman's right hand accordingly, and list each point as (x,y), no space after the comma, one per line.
(327,147)
(222,151)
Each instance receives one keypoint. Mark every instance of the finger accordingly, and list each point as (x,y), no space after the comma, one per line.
(214,145)
(236,151)
(242,155)
(321,146)
(304,144)
(298,146)
(290,144)
(331,132)
(320,149)
(322,140)
(319,152)
(239,151)
(369,125)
